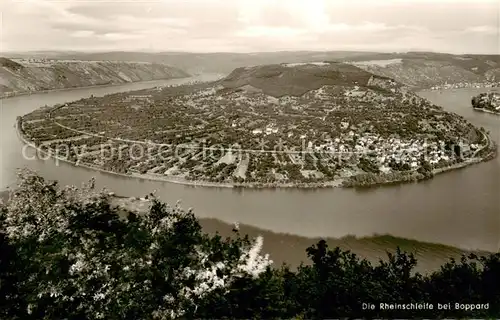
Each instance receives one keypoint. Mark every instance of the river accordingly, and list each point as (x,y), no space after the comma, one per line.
(459,208)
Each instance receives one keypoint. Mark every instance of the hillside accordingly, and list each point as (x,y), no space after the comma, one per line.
(194,63)
(18,76)
(425,70)
(290,249)
(297,79)
(416,69)
(287,125)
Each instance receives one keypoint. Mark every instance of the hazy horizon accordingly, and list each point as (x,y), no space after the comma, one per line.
(235,52)
(251,26)
(89,51)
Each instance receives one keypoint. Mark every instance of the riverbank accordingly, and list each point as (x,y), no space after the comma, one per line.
(349,182)
(107,85)
(486,111)
(291,249)
(420,211)
(476,85)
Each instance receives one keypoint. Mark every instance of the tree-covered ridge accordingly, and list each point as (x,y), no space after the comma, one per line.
(425,69)
(488,101)
(68,254)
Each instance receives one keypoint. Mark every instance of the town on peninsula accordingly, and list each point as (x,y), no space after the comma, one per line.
(317,124)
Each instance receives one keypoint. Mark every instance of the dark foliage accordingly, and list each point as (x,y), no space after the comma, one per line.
(335,284)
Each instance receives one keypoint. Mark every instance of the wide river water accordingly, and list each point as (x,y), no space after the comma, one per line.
(459,208)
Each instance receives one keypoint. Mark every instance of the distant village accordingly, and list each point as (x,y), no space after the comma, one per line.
(459,85)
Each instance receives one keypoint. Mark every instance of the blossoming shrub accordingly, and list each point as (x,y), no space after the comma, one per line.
(66,253)
(77,258)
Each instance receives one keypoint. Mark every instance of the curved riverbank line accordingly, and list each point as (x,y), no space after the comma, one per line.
(486,111)
(291,249)
(29,93)
(250,131)
(459,209)
(373,180)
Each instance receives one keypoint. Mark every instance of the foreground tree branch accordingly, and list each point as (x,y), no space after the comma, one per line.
(66,253)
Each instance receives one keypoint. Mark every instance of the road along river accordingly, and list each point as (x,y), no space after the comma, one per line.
(459,208)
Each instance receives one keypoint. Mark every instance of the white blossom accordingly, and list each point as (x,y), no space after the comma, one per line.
(78,266)
(29,309)
(168,298)
(252,262)
(99,296)
(40,217)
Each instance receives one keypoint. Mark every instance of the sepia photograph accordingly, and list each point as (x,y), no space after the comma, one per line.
(249,159)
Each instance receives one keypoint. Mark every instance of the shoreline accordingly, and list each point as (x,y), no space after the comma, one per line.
(108,85)
(430,256)
(338,183)
(180,180)
(291,249)
(486,111)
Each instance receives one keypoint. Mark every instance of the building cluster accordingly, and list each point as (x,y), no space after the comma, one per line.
(138,98)
(459,85)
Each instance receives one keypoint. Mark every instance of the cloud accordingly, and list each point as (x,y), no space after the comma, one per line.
(371,27)
(83,33)
(484,29)
(270,32)
(250,25)
(284,13)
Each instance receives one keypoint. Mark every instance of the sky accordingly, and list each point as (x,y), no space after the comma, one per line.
(458,26)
